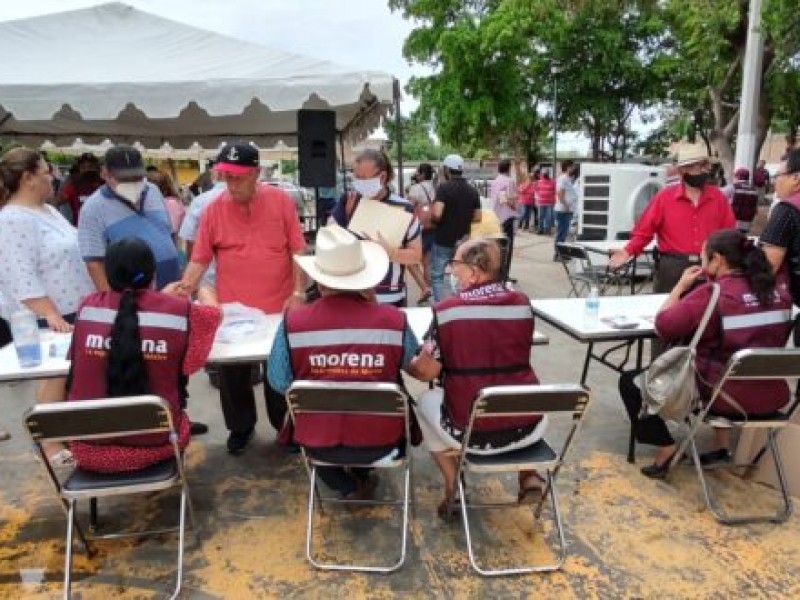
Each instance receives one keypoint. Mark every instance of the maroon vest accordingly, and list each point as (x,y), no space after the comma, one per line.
(745,201)
(484,336)
(163,327)
(345,337)
(746,324)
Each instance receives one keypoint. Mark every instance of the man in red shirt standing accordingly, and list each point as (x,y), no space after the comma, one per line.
(680,217)
(252,231)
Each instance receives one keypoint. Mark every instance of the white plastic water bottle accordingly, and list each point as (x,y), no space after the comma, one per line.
(25,331)
(592,307)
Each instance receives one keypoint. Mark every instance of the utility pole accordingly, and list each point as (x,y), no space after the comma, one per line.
(751,92)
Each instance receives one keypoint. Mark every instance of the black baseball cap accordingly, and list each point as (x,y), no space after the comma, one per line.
(125,162)
(238,158)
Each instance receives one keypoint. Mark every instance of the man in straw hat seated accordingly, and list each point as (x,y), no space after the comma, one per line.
(680,217)
(345,336)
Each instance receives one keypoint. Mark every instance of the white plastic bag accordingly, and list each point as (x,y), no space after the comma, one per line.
(241,323)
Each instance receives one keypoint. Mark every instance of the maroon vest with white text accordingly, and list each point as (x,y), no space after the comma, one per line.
(746,324)
(745,201)
(345,337)
(485,335)
(163,328)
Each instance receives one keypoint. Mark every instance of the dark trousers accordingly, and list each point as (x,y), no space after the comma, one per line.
(650,430)
(5,333)
(345,480)
(238,399)
(508,230)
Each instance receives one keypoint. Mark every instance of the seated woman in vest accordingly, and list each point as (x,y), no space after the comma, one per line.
(753,311)
(133,340)
(485,308)
(345,322)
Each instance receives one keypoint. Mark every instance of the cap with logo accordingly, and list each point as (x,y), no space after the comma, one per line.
(453,162)
(237,158)
(125,163)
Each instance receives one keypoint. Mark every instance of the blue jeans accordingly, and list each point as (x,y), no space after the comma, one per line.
(440,255)
(546,218)
(563,220)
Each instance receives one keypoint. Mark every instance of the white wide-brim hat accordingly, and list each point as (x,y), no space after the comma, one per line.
(693,156)
(343,262)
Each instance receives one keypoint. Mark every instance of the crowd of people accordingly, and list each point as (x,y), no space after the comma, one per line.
(115,274)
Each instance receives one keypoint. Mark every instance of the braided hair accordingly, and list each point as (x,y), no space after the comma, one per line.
(130,266)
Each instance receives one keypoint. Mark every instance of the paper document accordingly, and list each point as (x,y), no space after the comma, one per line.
(372,217)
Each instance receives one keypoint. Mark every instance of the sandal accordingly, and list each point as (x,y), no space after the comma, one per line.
(530,482)
(425,297)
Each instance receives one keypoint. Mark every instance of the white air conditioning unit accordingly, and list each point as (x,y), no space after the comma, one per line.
(614,196)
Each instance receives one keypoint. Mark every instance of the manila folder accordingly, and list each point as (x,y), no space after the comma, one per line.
(372,217)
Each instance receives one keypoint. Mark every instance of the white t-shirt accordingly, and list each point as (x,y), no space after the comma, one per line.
(570,202)
(421,193)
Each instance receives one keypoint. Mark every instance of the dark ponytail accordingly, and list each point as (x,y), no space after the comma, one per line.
(741,254)
(126,374)
(130,266)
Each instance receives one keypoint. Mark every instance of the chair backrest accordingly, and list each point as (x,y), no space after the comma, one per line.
(384,399)
(98,419)
(520,400)
(764,363)
(572,251)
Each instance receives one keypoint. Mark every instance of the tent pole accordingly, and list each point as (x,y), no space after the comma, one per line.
(342,163)
(398,120)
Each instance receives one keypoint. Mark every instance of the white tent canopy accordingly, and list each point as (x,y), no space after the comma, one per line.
(115,72)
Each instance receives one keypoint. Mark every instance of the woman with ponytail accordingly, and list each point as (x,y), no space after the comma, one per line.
(754,311)
(133,340)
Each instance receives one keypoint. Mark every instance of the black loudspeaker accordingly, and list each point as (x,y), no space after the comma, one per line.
(316,147)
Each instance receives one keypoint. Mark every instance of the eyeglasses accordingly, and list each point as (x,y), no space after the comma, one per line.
(453,261)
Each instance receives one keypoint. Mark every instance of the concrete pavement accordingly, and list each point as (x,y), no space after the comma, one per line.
(628,536)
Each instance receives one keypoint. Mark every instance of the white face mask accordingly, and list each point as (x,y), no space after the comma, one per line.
(369,188)
(130,190)
(454,284)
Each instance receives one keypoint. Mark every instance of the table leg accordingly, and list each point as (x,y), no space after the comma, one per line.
(639,353)
(585,373)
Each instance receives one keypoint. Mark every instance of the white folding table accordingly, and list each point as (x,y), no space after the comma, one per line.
(568,315)
(248,351)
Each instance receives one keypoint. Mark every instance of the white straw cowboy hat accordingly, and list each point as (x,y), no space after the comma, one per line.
(692,156)
(343,262)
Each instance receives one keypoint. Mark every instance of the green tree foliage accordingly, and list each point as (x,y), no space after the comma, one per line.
(487,87)
(417,141)
(492,84)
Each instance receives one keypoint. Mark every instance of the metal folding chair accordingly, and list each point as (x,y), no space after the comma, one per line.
(377,399)
(761,363)
(520,400)
(640,270)
(106,419)
(582,274)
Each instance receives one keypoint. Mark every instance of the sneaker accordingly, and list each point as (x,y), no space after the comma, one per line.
(198,428)
(238,440)
(4,435)
(716,458)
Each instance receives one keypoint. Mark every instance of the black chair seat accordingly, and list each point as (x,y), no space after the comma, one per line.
(81,480)
(538,452)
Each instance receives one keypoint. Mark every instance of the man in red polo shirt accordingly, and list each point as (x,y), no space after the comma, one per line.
(680,217)
(252,231)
